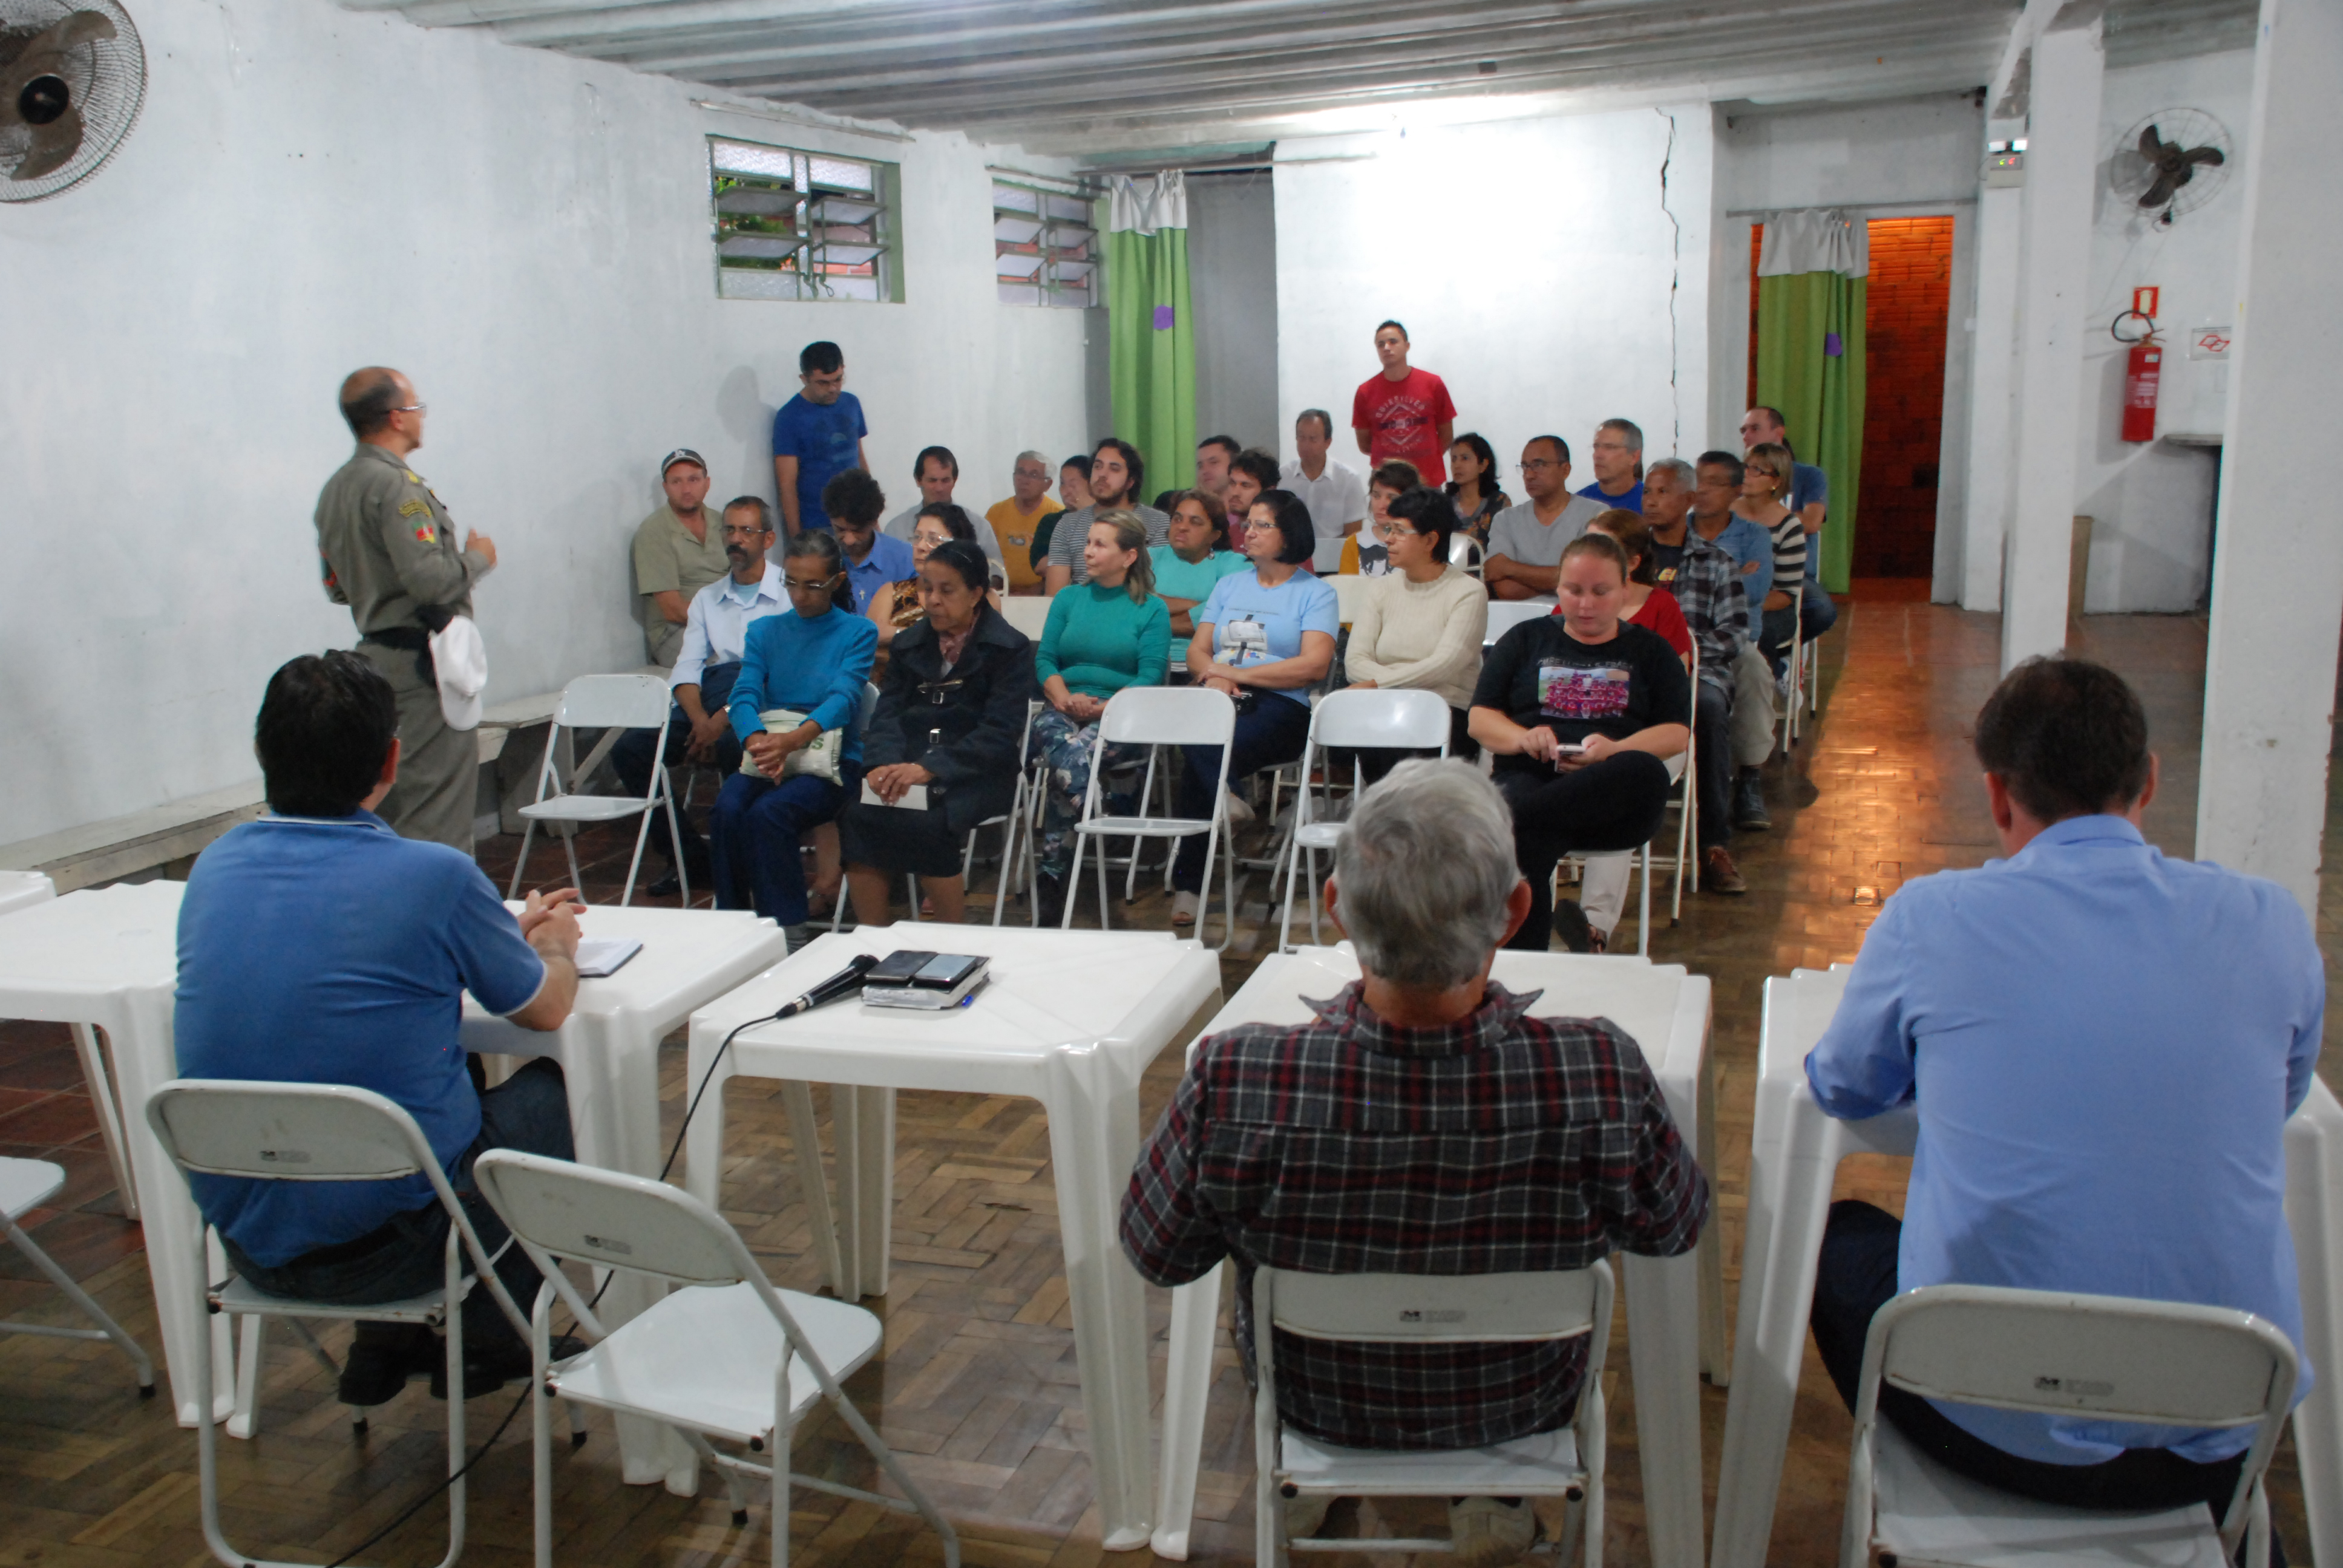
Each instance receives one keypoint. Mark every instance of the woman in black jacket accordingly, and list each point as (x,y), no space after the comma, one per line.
(951,720)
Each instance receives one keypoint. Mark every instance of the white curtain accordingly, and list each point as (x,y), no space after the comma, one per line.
(1145,205)
(1815,239)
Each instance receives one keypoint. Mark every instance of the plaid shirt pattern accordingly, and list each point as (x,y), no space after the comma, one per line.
(1708,590)
(1497,1143)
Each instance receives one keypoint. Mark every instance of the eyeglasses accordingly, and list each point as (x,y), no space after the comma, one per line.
(735,531)
(1538,465)
(820,586)
(1612,447)
(410,409)
(1388,531)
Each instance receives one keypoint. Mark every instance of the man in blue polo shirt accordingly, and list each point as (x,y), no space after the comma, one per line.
(872,559)
(2103,1046)
(817,435)
(317,946)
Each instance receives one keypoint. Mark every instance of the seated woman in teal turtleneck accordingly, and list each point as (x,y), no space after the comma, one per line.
(1102,634)
(813,659)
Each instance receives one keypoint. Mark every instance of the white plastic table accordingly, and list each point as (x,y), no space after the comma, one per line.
(18,889)
(1071,1019)
(1675,1306)
(1795,1154)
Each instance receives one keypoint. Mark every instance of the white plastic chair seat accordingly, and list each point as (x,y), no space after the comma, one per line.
(26,1184)
(1143,827)
(241,1296)
(585,808)
(1527,1465)
(1318,835)
(705,1356)
(1928,1516)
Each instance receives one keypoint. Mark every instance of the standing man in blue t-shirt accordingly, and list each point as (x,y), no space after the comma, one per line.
(817,435)
(1809,497)
(317,946)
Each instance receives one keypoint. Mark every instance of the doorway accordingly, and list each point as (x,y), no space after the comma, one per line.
(1908,302)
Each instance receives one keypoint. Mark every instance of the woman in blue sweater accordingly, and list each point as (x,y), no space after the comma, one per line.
(815,659)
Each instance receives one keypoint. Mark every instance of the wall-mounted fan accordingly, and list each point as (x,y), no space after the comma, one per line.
(2172,163)
(72,76)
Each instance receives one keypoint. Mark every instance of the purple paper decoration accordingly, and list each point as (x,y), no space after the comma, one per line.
(1832,347)
(1163,318)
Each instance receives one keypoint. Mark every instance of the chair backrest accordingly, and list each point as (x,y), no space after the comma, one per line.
(286,1132)
(1348,589)
(1464,553)
(1506,613)
(611,1219)
(1390,1309)
(1170,716)
(869,706)
(1029,613)
(613,702)
(1412,719)
(2061,1353)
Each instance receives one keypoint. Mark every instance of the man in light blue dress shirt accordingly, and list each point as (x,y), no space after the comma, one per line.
(2103,1045)
(715,627)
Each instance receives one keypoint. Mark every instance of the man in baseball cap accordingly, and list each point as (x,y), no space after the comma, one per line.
(677,552)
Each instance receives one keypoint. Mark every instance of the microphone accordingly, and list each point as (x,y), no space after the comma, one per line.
(836,988)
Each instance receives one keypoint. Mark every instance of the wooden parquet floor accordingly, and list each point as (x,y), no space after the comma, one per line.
(977,1388)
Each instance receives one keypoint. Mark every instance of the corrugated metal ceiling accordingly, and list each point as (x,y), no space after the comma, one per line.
(1098,76)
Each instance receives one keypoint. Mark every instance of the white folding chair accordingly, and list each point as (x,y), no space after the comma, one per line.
(2108,1358)
(1464,554)
(1401,719)
(1640,858)
(1017,828)
(1349,588)
(614,704)
(1156,715)
(25,1185)
(1506,613)
(1790,715)
(1429,1310)
(1029,613)
(730,1358)
(317,1132)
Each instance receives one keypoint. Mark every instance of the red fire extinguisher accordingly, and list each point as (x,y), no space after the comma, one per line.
(2142,374)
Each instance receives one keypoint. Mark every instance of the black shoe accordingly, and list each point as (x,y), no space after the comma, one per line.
(504,1362)
(1052,895)
(382,1357)
(1570,925)
(666,887)
(1749,803)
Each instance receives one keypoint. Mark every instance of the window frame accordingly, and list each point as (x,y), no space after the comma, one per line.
(1054,290)
(822,265)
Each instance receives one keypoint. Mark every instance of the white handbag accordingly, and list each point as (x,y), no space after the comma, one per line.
(819,757)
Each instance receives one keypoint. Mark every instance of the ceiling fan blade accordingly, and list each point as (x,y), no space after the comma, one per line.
(45,54)
(53,144)
(2149,147)
(2204,155)
(2160,193)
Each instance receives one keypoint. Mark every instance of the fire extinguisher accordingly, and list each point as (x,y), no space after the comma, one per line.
(2143,373)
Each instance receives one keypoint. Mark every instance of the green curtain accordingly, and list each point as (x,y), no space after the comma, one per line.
(1151,353)
(1801,318)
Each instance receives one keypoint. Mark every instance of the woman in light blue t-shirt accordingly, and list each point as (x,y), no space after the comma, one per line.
(1264,638)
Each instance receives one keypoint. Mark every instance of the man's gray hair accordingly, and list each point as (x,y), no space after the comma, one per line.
(1023,458)
(1628,428)
(1679,468)
(1422,874)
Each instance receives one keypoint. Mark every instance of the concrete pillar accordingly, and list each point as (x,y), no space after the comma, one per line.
(1993,373)
(2062,160)
(2278,566)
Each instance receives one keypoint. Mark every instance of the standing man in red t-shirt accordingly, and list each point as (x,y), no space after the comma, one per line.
(1404,413)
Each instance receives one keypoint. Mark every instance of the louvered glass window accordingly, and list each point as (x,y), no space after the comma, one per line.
(802,225)
(1045,249)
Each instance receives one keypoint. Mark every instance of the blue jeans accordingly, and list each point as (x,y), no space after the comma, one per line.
(757,827)
(528,1111)
(1820,612)
(1276,731)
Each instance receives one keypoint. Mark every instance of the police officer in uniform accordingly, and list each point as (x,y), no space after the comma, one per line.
(389,553)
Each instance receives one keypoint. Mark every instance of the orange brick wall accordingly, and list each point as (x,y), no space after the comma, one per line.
(1909,295)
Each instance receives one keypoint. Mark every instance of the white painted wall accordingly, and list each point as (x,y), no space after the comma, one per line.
(527,235)
(1901,158)
(1533,261)
(1232,296)
(2153,504)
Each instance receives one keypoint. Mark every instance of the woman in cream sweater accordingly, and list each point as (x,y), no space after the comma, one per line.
(1420,625)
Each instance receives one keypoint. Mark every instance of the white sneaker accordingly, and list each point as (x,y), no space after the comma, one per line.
(1489,1534)
(1240,809)
(1183,910)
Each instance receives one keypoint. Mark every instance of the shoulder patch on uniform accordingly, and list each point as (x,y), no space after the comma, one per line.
(422,534)
(412,477)
(411,507)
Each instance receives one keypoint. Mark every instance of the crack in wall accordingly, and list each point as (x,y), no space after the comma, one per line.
(1675,279)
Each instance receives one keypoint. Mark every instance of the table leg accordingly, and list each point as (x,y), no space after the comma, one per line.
(805,1134)
(1187,1390)
(109,1117)
(1664,1356)
(2314,1167)
(1093,1140)
(1715,1364)
(862,1122)
(703,1137)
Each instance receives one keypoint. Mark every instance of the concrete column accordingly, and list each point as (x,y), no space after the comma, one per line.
(2277,568)
(2062,159)
(1992,371)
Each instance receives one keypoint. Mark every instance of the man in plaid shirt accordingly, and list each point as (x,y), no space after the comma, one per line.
(1422,1124)
(1706,581)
